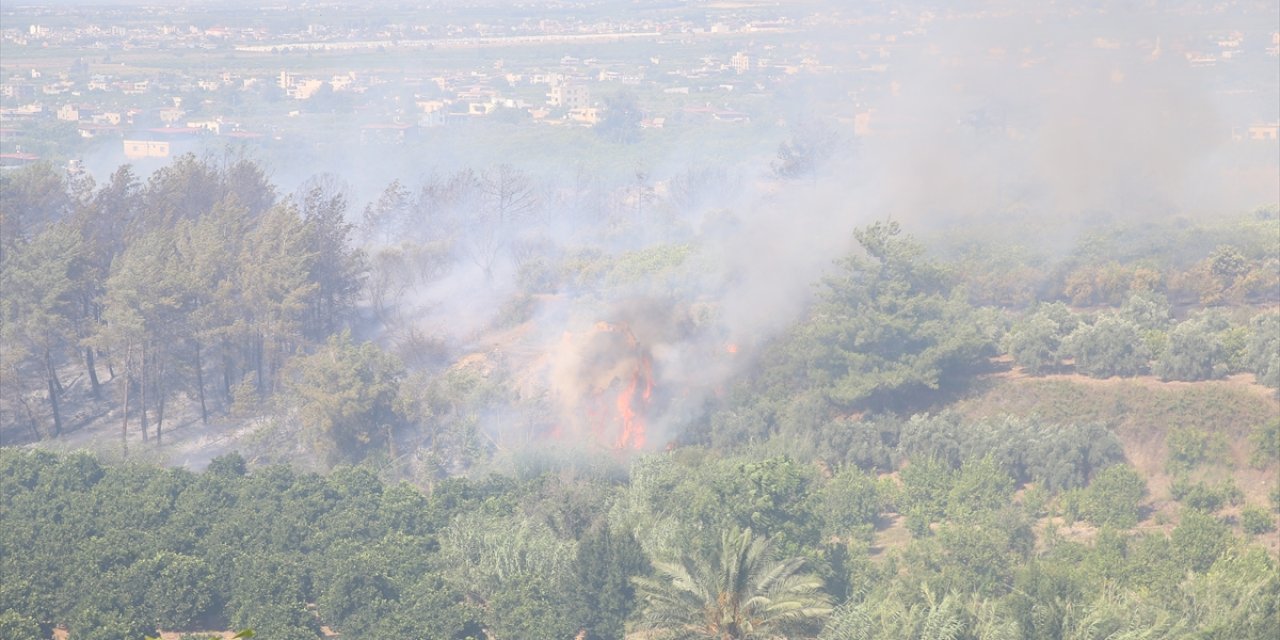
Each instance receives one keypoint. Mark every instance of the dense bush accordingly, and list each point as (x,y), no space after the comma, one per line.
(1265,439)
(1035,342)
(1111,346)
(1256,521)
(1205,497)
(1057,456)
(1114,497)
(1262,353)
(1195,350)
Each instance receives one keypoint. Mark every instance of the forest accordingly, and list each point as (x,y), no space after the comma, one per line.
(499,404)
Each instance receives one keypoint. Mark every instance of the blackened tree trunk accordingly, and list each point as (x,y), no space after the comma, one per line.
(159,392)
(226,373)
(124,422)
(53,374)
(204,411)
(142,393)
(53,405)
(55,388)
(31,417)
(90,314)
(93,372)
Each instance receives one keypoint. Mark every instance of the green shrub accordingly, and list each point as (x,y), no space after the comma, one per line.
(848,501)
(925,486)
(16,625)
(1035,341)
(1114,497)
(1256,521)
(1205,497)
(1194,351)
(1198,540)
(1262,352)
(1266,444)
(1189,447)
(1112,346)
(1070,505)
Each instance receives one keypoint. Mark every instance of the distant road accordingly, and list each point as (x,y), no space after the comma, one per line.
(448,43)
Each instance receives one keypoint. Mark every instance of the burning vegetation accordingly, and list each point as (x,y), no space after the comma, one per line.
(607,385)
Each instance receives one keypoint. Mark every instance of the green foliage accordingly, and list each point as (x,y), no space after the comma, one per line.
(1035,341)
(671,500)
(37,313)
(1262,353)
(1114,497)
(517,569)
(979,489)
(118,551)
(1058,456)
(16,625)
(1239,597)
(1199,539)
(346,397)
(33,197)
(176,589)
(1111,346)
(965,558)
(769,495)
(661,263)
(231,464)
(926,484)
(1265,439)
(1195,351)
(918,615)
(601,587)
(1190,447)
(1148,310)
(885,328)
(1256,521)
(741,592)
(1203,496)
(848,502)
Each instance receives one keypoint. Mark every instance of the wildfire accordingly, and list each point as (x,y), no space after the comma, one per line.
(621,387)
(632,434)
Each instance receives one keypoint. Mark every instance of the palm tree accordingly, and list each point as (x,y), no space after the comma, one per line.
(743,594)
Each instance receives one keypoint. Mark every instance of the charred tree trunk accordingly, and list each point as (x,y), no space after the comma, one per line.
(93,372)
(55,388)
(392,454)
(258,356)
(159,393)
(124,423)
(226,373)
(142,394)
(53,374)
(53,406)
(89,314)
(204,411)
(31,417)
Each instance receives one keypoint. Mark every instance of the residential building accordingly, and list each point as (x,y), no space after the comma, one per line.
(570,96)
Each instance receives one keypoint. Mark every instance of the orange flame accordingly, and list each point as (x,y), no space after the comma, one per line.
(617,378)
(633,427)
